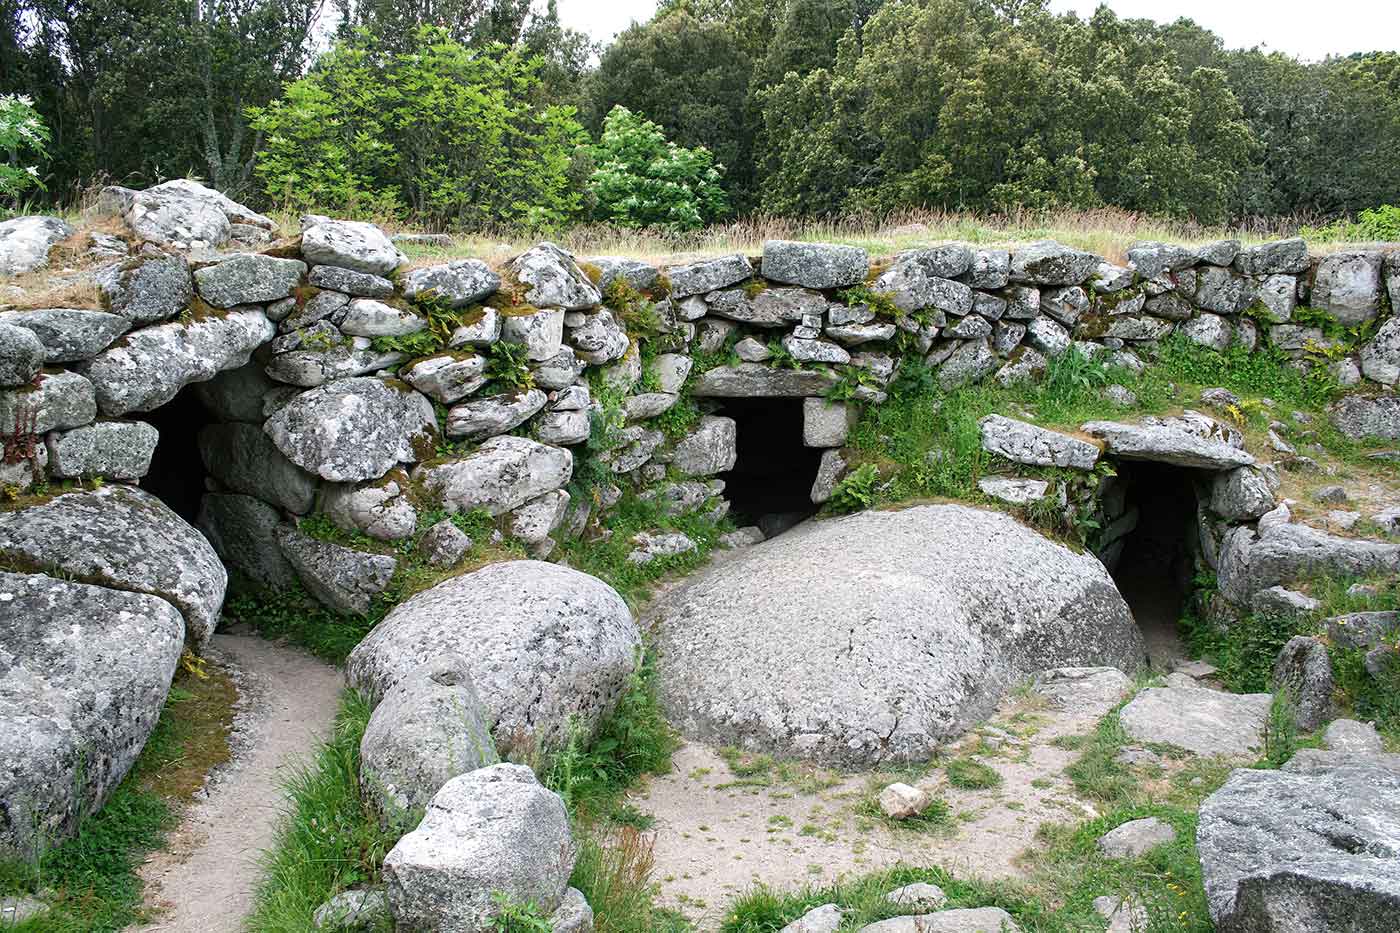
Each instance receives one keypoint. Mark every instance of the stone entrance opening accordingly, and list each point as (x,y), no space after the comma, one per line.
(1151,550)
(177,471)
(771,483)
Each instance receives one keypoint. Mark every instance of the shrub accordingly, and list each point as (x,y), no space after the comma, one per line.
(23,136)
(857,491)
(450,133)
(642,180)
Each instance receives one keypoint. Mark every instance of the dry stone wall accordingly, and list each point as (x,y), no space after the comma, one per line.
(345,382)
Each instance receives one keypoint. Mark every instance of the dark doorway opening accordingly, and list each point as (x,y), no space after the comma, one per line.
(1156,562)
(771,483)
(177,473)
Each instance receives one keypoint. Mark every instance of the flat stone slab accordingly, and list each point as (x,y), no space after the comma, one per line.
(1190,440)
(1204,722)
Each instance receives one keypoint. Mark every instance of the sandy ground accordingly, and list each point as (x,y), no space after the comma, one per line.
(717,834)
(204,878)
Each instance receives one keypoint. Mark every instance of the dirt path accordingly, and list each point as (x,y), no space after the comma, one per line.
(718,833)
(204,879)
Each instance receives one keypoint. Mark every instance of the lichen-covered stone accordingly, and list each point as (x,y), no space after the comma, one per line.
(341,578)
(248,279)
(458,284)
(354,429)
(814,265)
(1046,262)
(244,459)
(1348,285)
(503,473)
(84,672)
(149,288)
(707,275)
(481,418)
(114,449)
(69,334)
(381,508)
(57,401)
(25,242)
(554,280)
(243,531)
(350,244)
(123,537)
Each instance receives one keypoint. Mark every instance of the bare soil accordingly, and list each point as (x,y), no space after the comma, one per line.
(204,879)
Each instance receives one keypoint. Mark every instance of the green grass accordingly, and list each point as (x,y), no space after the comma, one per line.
(93,874)
(967,774)
(329,839)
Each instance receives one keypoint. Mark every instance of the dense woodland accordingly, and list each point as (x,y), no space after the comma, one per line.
(472,113)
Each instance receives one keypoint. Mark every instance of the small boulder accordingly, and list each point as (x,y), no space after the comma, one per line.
(503,473)
(119,450)
(457,284)
(708,275)
(902,801)
(1188,440)
(358,910)
(69,335)
(918,896)
(1136,838)
(1046,262)
(341,578)
(22,355)
(964,920)
(814,265)
(1021,442)
(350,244)
(554,280)
(1350,736)
(25,242)
(823,919)
(1304,668)
(243,531)
(490,834)
(248,279)
(1203,722)
(425,731)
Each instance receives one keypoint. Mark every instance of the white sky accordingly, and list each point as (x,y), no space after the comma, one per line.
(1300,28)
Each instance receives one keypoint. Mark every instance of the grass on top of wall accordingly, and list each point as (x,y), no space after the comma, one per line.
(90,881)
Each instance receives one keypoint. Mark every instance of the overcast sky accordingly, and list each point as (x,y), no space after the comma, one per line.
(1300,28)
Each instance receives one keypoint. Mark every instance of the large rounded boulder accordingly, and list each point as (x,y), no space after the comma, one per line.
(84,671)
(876,637)
(549,648)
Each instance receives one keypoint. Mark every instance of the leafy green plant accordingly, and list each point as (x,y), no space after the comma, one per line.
(857,490)
(641,179)
(512,916)
(24,138)
(508,366)
(1281,728)
(780,358)
(882,303)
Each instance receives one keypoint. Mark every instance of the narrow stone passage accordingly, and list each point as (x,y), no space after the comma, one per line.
(205,876)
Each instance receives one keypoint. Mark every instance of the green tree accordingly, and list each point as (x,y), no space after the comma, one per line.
(640,179)
(447,133)
(691,77)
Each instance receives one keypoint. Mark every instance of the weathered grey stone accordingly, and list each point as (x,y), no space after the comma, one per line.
(1348,735)
(826,423)
(1025,365)
(244,459)
(1362,629)
(962,920)
(326,357)
(425,731)
(636,273)
(536,520)
(1153,259)
(1287,256)
(248,279)
(126,538)
(447,377)
(650,546)
(489,836)
(632,447)
(243,531)
(502,474)
(1241,494)
(972,327)
(342,578)
(1188,440)
(459,283)
(600,338)
(823,919)
(60,400)
(1360,416)
(1223,291)
(368,317)
(22,355)
(1304,668)
(563,428)
(325,305)
(114,449)
(709,448)
(350,244)
(84,676)
(1210,331)
(353,283)
(917,896)
(914,288)
(1219,253)
(779,610)
(1380,356)
(445,544)
(1048,337)
(381,508)
(573,915)
(990,268)
(482,331)
(542,333)
(25,242)
(1109,278)
(1092,690)
(1021,442)
(815,351)
(1065,304)
(554,280)
(1278,297)
(1136,838)
(814,265)
(358,910)
(147,367)
(67,335)
(672,370)
(1347,284)
(354,429)
(1282,552)
(756,380)
(559,371)
(1308,852)
(829,472)
(548,647)
(480,418)
(946,261)
(1203,722)
(236,394)
(1128,327)
(1022,303)
(708,275)
(1046,262)
(146,289)
(172,216)
(970,363)
(1014,491)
